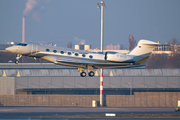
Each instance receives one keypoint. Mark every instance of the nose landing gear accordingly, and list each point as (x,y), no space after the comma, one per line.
(17,58)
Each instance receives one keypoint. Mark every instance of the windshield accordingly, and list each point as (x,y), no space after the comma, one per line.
(21,44)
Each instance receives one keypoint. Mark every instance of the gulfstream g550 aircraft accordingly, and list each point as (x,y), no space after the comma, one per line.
(85,59)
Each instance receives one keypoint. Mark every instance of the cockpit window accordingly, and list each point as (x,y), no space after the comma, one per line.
(19,44)
(22,44)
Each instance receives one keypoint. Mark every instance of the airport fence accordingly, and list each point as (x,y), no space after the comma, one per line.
(144,99)
(139,99)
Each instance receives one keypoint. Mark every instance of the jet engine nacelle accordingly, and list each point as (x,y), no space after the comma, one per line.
(117,57)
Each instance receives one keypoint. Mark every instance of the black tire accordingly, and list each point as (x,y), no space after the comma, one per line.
(91,74)
(16,62)
(83,74)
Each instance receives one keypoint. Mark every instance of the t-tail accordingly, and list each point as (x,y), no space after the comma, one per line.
(142,51)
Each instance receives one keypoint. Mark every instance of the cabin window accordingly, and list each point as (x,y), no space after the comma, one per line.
(90,56)
(76,54)
(69,53)
(47,50)
(55,51)
(83,55)
(62,52)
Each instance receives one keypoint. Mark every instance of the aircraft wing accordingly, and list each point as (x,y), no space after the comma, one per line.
(93,64)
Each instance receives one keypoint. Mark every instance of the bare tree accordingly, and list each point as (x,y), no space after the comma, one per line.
(174,46)
(69,45)
(173,41)
(156,61)
(164,60)
(132,42)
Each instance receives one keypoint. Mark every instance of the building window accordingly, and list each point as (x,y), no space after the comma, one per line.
(90,56)
(47,50)
(55,51)
(69,53)
(62,52)
(76,54)
(83,55)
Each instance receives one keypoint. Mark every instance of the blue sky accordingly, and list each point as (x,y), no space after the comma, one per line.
(64,21)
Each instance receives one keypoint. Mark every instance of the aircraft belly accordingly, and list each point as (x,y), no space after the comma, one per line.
(93,63)
(83,62)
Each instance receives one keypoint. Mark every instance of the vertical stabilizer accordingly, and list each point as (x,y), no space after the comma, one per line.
(143,50)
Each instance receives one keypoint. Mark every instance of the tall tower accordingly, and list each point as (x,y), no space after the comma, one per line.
(23,29)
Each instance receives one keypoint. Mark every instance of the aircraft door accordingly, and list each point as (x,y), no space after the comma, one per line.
(105,56)
(34,48)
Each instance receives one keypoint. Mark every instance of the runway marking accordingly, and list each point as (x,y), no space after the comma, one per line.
(82,110)
(7,110)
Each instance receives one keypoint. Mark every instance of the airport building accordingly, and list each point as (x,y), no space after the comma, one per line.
(47,78)
(47,84)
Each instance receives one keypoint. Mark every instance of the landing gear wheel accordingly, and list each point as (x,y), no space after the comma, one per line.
(83,74)
(16,61)
(91,74)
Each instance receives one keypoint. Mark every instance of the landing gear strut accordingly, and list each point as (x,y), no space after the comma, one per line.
(17,58)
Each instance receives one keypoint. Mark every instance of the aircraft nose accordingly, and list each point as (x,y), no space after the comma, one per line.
(10,49)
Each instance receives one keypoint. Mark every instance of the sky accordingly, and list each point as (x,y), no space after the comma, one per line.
(63,21)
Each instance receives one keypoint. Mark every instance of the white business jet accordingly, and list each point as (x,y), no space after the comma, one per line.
(86,59)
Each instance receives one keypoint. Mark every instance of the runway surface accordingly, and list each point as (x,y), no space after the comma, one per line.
(42,111)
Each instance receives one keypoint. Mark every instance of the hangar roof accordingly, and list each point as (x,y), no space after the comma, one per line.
(73,72)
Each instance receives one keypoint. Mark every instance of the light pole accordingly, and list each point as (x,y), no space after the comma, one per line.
(130,87)
(100,6)
(146,86)
(46,87)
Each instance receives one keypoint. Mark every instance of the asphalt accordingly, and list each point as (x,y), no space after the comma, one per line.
(44,111)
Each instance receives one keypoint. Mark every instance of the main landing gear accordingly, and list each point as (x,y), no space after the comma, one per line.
(91,74)
(83,74)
